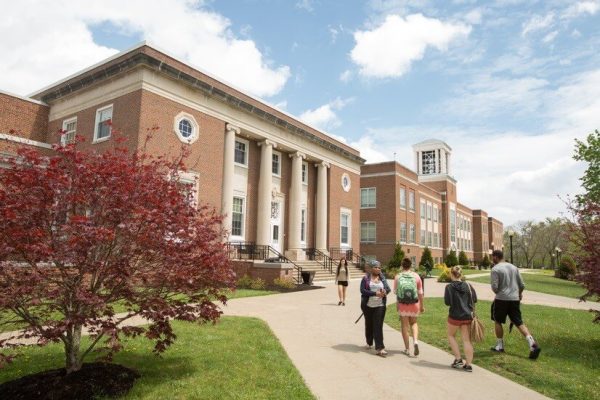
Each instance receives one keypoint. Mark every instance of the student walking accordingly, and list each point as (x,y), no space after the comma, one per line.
(409,292)
(341,279)
(508,285)
(461,298)
(374,289)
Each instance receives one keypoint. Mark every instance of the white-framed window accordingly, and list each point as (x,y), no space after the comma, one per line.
(429,239)
(346,183)
(186,128)
(452,225)
(412,233)
(403,232)
(345,224)
(237,217)
(368,197)
(402,198)
(429,212)
(303,226)
(411,200)
(305,173)
(435,214)
(423,210)
(423,237)
(241,152)
(102,129)
(368,232)
(276,164)
(190,180)
(69,126)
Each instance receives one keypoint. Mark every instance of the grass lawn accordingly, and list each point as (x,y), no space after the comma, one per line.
(547,284)
(568,367)
(239,358)
(436,272)
(239,293)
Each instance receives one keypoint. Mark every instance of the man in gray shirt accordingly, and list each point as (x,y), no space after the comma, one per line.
(508,286)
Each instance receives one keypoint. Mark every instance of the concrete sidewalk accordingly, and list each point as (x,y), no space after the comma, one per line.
(328,349)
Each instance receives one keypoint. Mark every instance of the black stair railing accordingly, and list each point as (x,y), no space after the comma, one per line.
(257,252)
(317,255)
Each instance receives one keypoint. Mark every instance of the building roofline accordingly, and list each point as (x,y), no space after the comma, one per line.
(41,103)
(295,127)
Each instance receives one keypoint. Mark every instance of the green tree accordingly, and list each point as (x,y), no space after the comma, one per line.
(426,260)
(451,259)
(589,152)
(485,262)
(462,258)
(396,261)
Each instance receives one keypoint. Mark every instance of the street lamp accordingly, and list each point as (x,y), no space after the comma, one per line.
(558,251)
(510,236)
(553,259)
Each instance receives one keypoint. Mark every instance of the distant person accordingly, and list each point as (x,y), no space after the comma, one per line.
(461,298)
(409,292)
(374,289)
(341,279)
(508,285)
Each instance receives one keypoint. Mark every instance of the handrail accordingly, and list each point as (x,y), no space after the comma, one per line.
(320,257)
(252,251)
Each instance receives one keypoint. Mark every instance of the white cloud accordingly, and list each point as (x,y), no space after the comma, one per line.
(581,7)
(513,175)
(62,42)
(306,5)
(550,37)
(346,76)
(537,23)
(389,49)
(325,117)
(473,17)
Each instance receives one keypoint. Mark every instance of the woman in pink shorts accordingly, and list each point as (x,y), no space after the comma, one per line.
(409,295)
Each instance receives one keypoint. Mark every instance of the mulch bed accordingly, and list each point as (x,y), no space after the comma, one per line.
(92,381)
(298,288)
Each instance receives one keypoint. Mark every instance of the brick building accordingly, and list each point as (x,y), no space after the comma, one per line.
(280,182)
(421,208)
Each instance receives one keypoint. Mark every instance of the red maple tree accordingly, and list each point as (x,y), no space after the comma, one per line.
(84,232)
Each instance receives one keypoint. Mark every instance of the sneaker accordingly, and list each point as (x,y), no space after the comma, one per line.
(457,364)
(406,352)
(468,368)
(382,353)
(343,303)
(339,303)
(535,351)
(416,349)
(497,350)
(368,347)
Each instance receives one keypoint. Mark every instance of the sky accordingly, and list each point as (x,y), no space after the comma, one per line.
(508,84)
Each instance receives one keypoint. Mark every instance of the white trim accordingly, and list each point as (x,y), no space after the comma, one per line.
(346,188)
(378,174)
(96,122)
(218,79)
(246,152)
(195,127)
(191,177)
(17,139)
(436,178)
(303,221)
(16,96)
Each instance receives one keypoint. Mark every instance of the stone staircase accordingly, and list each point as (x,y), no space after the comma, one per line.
(322,275)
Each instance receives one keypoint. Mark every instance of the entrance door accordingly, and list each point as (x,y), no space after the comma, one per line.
(276,225)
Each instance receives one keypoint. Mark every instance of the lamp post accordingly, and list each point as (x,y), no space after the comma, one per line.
(558,251)
(510,236)
(553,259)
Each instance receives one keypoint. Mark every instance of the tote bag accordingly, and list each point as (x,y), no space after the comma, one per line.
(477,328)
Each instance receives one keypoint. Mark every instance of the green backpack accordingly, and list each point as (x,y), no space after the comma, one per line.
(406,289)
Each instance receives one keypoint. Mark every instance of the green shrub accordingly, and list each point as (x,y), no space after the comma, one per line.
(391,272)
(451,259)
(462,259)
(396,261)
(244,282)
(426,260)
(258,284)
(444,275)
(284,283)
(567,268)
(485,263)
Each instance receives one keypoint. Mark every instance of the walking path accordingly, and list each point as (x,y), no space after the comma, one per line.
(327,347)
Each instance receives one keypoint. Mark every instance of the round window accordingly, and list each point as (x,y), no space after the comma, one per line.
(185,128)
(346,182)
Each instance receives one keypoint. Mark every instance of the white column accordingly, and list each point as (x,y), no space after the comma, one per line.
(228,168)
(265,185)
(443,161)
(448,163)
(295,209)
(321,217)
(419,163)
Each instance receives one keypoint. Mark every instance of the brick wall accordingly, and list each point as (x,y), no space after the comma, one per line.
(28,119)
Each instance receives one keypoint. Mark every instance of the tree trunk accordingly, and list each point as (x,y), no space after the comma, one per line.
(72,345)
